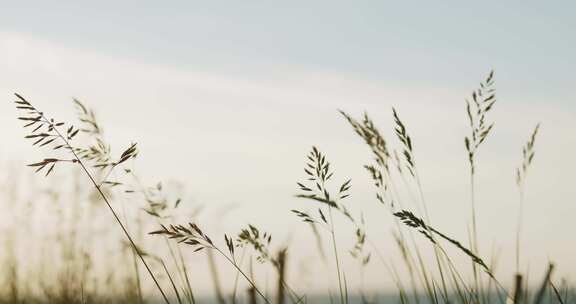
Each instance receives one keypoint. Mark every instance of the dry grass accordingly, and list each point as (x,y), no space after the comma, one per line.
(441,282)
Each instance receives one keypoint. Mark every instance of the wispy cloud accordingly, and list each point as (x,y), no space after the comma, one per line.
(258,125)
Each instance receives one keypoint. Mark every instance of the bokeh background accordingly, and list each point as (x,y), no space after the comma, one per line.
(225,99)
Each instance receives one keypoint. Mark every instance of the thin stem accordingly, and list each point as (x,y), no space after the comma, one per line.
(436,253)
(171,282)
(134,260)
(215,277)
(519,228)
(439,252)
(185,270)
(107,175)
(95,184)
(235,290)
(138,283)
(423,277)
(335,247)
(242,273)
(474,237)
(123,229)
(175,261)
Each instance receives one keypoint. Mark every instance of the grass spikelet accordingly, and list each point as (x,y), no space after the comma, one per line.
(528,153)
(406,141)
(367,130)
(477,108)
(409,219)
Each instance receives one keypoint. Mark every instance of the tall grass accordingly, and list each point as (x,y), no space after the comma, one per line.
(46,132)
(393,170)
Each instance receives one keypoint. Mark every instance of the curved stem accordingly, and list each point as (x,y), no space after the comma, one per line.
(123,229)
(242,273)
(98,188)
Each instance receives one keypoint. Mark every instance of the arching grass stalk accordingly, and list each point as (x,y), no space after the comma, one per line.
(193,236)
(387,194)
(410,165)
(410,220)
(46,133)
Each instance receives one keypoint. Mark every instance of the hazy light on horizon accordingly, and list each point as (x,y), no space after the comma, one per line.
(236,131)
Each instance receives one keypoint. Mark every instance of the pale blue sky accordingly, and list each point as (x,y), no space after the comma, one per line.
(530,42)
(251,86)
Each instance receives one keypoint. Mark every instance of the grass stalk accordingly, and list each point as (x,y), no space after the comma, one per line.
(78,160)
(215,278)
(174,287)
(335,248)
(191,299)
(248,279)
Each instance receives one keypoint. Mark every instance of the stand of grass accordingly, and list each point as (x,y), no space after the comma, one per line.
(46,131)
(193,236)
(449,286)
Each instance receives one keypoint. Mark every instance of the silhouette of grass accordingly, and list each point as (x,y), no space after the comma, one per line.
(443,282)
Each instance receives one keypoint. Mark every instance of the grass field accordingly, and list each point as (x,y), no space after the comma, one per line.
(85,228)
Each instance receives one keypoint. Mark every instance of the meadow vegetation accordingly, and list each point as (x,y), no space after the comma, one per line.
(103,184)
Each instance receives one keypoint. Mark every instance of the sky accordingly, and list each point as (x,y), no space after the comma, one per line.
(229,97)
